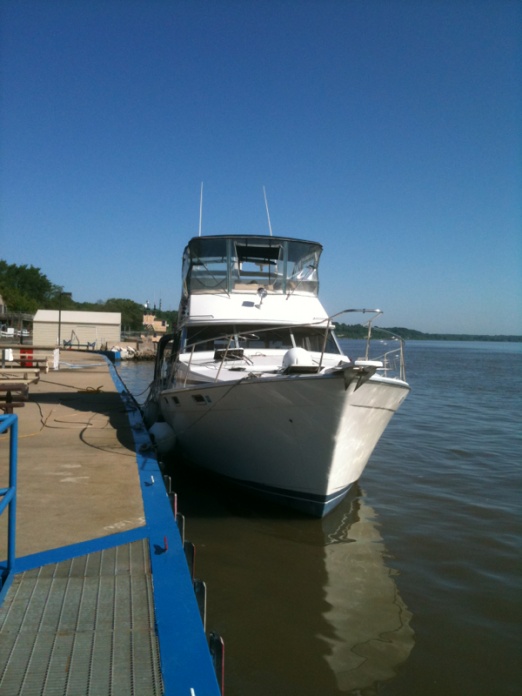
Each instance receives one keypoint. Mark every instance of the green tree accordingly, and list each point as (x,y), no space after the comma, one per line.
(131,313)
(24,288)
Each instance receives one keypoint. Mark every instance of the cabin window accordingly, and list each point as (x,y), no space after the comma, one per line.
(255,337)
(268,338)
(303,274)
(209,338)
(313,340)
(243,264)
(206,268)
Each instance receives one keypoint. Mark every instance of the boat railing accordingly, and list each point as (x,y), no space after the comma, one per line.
(393,360)
(227,352)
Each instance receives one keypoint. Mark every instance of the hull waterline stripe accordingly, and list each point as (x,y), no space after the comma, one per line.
(298,496)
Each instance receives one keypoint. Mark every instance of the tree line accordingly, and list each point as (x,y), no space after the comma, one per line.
(25,289)
(360,331)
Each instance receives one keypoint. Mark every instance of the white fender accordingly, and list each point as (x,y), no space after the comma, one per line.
(163,437)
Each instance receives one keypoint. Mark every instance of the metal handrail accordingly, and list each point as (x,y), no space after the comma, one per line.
(384,357)
(387,360)
(377,312)
(277,327)
(8,500)
(328,323)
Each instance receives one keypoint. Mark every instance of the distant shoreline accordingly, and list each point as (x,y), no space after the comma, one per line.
(358,331)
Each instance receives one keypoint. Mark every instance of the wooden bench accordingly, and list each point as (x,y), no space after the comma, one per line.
(8,373)
(13,395)
(21,363)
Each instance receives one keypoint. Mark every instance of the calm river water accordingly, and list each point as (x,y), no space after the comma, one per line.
(413,585)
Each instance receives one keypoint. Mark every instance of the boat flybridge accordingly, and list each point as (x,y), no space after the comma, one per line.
(253,384)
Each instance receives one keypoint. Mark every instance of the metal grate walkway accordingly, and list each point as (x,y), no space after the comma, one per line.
(82,626)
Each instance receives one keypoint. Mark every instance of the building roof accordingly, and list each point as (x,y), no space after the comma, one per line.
(76,317)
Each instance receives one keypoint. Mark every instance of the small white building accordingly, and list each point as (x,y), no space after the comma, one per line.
(85,329)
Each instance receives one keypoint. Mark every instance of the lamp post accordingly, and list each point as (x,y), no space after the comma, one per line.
(62,294)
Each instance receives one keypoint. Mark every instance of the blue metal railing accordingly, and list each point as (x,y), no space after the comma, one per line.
(8,500)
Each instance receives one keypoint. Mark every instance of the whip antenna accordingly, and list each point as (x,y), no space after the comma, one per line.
(267,212)
(200,209)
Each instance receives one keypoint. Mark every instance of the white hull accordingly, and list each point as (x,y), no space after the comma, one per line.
(302,440)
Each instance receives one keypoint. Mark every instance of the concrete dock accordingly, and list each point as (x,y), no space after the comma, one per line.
(102,599)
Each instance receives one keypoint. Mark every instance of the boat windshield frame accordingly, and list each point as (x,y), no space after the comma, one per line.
(260,338)
(245,264)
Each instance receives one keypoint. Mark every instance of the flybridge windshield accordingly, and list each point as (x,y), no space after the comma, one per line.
(245,264)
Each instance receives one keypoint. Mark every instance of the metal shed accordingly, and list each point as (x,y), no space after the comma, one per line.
(77,328)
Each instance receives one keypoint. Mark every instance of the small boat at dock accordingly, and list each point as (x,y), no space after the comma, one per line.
(253,383)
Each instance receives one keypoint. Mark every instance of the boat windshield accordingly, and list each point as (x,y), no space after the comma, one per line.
(212,338)
(245,264)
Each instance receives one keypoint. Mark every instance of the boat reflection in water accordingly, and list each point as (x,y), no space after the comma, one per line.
(306,606)
(370,622)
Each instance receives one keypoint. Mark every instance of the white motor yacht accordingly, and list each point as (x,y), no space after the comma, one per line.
(253,385)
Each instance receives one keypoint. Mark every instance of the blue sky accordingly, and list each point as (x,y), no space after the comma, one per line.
(388,131)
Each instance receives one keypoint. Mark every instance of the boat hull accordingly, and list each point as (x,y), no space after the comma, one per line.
(300,440)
